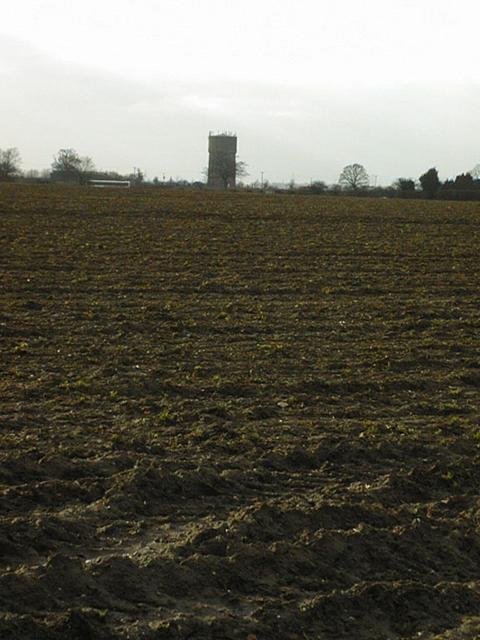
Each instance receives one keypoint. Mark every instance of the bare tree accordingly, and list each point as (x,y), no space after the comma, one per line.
(9,163)
(241,170)
(227,171)
(68,165)
(475,172)
(354,177)
(67,162)
(86,165)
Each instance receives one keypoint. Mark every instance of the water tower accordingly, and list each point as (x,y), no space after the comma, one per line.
(222,151)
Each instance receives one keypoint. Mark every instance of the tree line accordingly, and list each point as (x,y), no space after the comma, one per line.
(70,167)
(67,167)
(354,180)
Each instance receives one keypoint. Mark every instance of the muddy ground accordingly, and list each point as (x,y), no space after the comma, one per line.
(238,417)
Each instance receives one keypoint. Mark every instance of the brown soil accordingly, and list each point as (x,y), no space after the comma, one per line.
(238,417)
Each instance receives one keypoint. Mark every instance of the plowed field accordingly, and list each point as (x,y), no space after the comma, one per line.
(230,416)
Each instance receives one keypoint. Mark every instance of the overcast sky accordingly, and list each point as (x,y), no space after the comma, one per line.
(308,86)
